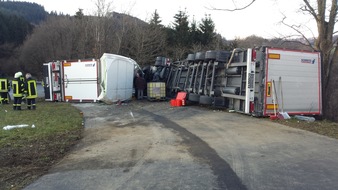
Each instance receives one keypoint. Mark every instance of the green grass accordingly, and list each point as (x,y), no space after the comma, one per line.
(49,119)
(27,153)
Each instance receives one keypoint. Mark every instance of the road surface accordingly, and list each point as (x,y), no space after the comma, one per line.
(144,145)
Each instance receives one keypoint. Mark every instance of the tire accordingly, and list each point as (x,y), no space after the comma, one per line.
(222,56)
(199,56)
(221,102)
(205,100)
(191,57)
(194,97)
(210,55)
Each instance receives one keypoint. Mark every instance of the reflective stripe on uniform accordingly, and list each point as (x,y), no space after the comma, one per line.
(31,89)
(17,89)
(3,85)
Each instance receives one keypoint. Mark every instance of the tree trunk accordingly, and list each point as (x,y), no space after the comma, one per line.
(330,90)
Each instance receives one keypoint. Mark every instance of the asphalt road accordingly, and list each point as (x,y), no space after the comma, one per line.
(143,145)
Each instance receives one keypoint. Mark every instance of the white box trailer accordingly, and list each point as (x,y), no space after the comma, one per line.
(267,80)
(109,79)
(117,75)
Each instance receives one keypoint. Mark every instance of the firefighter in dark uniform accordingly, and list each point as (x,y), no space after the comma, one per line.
(31,92)
(23,80)
(18,89)
(4,89)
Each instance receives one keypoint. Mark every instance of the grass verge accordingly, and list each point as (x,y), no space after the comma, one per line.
(322,127)
(27,153)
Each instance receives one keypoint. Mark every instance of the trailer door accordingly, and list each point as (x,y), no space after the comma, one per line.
(297,79)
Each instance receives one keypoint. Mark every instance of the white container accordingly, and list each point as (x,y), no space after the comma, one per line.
(116,76)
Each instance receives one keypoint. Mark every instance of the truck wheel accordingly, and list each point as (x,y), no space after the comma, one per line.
(191,57)
(210,55)
(223,56)
(221,102)
(200,56)
(194,97)
(206,100)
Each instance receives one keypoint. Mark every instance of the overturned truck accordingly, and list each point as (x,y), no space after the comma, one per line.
(109,79)
(259,82)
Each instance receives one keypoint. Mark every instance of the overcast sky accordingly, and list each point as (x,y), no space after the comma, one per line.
(262,18)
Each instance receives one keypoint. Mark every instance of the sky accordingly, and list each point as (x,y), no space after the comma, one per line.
(262,18)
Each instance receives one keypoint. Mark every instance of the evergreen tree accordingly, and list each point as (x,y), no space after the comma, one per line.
(79,14)
(207,29)
(155,20)
(13,29)
(194,33)
(181,29)
(32,12)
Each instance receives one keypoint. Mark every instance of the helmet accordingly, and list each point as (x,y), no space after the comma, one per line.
(17,75)
(28,75)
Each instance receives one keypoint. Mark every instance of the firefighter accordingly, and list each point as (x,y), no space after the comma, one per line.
(4,89)
(31,92)
(18,89)
(22,79)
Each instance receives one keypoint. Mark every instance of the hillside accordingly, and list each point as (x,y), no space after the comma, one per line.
(32,12)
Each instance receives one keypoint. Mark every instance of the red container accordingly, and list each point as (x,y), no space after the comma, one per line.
(273,117)
(175,103)
(181,96)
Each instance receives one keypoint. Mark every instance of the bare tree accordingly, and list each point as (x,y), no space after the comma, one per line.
(325,26)
(324,14)
(236,7)
(149,43)
(51,40)
(103,16)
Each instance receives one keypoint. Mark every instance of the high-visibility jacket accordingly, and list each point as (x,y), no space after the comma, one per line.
(18,88)
(22,78)
(31,89)
(4,85)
